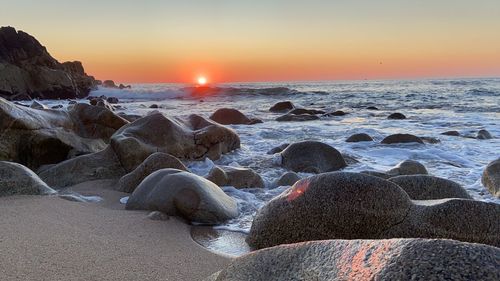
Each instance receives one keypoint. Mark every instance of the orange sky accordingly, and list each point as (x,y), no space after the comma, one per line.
(229,41)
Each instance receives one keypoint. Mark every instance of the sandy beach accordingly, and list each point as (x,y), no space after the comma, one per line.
(49,238)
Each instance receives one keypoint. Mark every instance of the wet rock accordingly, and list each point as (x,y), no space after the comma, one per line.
(359,137)
(312,157)
(289,178)
(238,177)
(129,117)
(425,187)
(336,113)
(109,84)
(451,133)
(377,174)
(340,205)
(402,138)
(283,106)
(484,135)
(297,118)
(302,111)
(394,259)
(112,100)
(278,149)
(37,105)
(154,106)
(179,193)
(408,167)
(396,115)
(28,71)
(16,179)
(229,116)
(38,137)
(372,108)
(191,138)
(491,177)
(430,140)
(154,162)
(57,106)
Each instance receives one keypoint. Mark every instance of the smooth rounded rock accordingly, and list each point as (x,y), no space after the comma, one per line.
(230,116)
(179,193)
(408,167)
(16,179)
(451,133)
(484,135)
(297,118)
(238,177)
(287,179)
(312,157)
(359,137)
(396,115)
(402,138)
(425,187)
(491,177)
(282,106)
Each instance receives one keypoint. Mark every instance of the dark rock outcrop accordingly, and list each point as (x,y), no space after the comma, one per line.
(359,137)
(391,259)
(312,157)
(230,116)
(396,115)
(402,138)
(340,205)
(238,177)
(451,133)
(335,113)
(297,118)
(28,71)
(179,193)
(484,135)
(282,106)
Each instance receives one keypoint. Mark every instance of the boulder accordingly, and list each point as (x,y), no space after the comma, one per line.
(484,135)
(297,118)
(37,105)
(154,106)
(451,133)
(491,177)
(431,140)
(101,102)
(335,113)
(16,179)
(302,111)
(408,167)
(35,137)
(154,162)
(237,177)
(425,187)
(28,71)
(402,138)
(191,138)
(359,137)
(396,115)
(391,259)
(229,116)
(109,84)
(179,193)
(377,174)
(112,100)
(282,106)
(312,157)
(340,205)
(372,108)
(287,179)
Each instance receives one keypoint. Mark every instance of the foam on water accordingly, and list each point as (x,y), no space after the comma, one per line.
(432,107)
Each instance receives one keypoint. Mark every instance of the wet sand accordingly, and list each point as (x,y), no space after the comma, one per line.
(49,238)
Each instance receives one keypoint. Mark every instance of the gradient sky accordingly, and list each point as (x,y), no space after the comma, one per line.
(229,41)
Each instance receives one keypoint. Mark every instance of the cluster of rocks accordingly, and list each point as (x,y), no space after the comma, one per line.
(28,71)
(111,84)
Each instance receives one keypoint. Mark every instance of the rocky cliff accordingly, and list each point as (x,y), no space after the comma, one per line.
(28,71)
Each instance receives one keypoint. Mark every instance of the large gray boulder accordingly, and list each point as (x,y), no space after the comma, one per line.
(282,106)
(179,193)
(401,138)
(491,177)
(340,205)
(16,179)
(192,138)
(238,177)
(359,137)
(408,167)
(394,259)
(230,116)
(36,137)
(425,187)
(312,157)
(154,162)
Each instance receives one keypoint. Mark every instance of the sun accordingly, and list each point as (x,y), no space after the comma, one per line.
(202,80)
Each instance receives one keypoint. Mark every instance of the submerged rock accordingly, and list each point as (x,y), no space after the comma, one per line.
(359,137)
(491,177)
(283,106)
(289,178)
(237,177)
(402,138)
(340,205)
(394,259)
(28,71)
(179,193)
(297,118)
(335,113)
(451,133)
(154,162)
(192,138)
(35,137)
(16,179)
(229,116)
(302,111)
(312,157)
(484,135)
(396,115)
(408,167)
(278,149)
(425,187)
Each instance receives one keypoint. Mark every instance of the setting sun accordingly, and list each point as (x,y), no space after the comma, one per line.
(202,80)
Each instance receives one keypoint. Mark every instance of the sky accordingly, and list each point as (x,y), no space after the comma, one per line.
(266,40)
